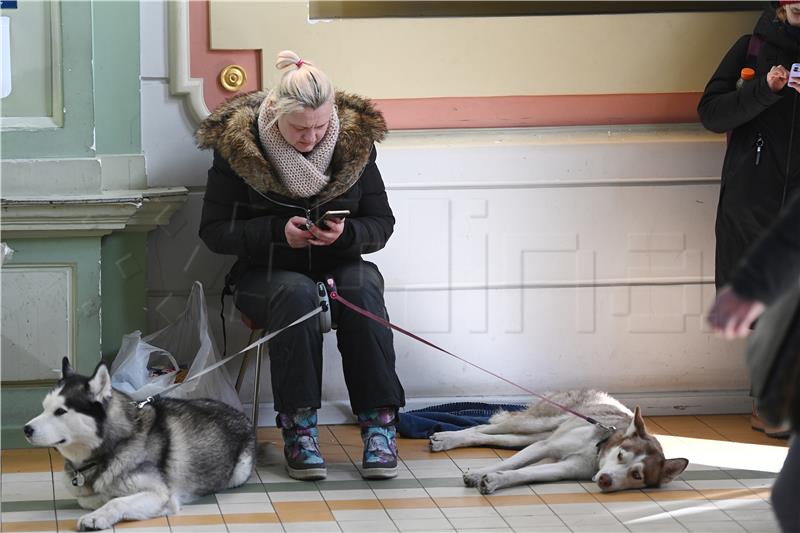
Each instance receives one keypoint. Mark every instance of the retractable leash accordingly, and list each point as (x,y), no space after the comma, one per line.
(334,295)
(218,364)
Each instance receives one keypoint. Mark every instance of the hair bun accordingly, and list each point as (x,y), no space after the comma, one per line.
(287,58)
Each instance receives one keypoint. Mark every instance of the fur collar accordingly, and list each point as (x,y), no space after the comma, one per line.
(232,131)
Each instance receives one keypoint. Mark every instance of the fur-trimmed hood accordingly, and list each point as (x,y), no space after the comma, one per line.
(232,130)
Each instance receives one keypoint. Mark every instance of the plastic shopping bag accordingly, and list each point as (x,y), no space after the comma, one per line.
(188,339)
(131,370)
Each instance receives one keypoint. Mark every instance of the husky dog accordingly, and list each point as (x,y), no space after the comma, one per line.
(624,458)
(131,463)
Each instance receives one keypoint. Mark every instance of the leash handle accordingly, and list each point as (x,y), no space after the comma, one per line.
(363,312)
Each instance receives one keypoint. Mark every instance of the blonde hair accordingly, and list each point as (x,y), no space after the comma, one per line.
(781,13)
(302,86)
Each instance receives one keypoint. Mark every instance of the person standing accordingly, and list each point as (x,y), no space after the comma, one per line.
(761,169)
(768,271)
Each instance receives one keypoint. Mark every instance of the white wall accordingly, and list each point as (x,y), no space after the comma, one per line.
(558,258)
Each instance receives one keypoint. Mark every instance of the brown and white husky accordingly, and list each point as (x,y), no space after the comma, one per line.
(626,458)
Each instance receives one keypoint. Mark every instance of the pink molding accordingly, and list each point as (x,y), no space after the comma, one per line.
(207,63)
(454,112)
(530,111)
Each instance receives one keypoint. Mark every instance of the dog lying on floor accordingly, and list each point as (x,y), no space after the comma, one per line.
(131,463)
(626,458)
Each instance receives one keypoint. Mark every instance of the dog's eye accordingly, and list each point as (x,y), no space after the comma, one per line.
(636,475)
(619,456)
(60,411)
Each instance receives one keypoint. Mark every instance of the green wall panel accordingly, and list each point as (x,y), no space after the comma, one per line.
(76,137)
(116,77)
(22,402)
(124,266)
(19,406)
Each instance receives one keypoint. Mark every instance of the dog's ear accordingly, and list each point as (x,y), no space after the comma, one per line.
(66,368)
(100,383)
(672,469)
(636,426)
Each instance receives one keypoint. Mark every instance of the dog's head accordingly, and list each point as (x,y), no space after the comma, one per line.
(73,412)
(632,459)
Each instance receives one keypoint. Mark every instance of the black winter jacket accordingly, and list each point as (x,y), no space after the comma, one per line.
(773,264)
(754,187)
(246,207)
(768,271)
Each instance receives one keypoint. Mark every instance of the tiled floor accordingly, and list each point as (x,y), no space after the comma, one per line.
(726,489)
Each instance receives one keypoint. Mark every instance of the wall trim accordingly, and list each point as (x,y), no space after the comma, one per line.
(539,110)
(180,81)
(551,184)
(89,215)
(481,286)
(651,403)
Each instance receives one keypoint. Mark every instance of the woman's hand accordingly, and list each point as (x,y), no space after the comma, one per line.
(326,237)
(731,315)
(777,78)
(296,236)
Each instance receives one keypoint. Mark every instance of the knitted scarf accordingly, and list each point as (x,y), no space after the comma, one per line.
(304,175)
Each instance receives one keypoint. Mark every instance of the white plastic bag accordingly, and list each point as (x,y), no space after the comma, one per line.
(188,339)
(130,370)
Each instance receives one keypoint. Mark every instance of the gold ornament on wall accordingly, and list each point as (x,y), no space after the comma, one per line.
(232,78)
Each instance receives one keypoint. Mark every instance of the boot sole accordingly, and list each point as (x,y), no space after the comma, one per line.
(379,473)
(307,474)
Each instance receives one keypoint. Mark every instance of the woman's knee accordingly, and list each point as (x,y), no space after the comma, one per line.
(360,280)
(264,294)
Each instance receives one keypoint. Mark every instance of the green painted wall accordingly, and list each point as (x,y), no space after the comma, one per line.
(116,77)
(21,403)
(76,137)
(101,87)
(124,288)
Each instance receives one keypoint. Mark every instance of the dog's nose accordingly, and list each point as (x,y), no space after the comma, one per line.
(28,431)
(604,481)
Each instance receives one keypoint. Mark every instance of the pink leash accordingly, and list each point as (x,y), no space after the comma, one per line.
(336,296)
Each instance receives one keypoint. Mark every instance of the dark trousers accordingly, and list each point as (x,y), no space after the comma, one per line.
(275,298)
(786,489)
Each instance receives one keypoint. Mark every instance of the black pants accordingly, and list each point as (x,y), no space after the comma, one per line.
(275,298)
(786,488)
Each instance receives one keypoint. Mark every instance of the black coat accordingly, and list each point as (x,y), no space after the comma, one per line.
(753,188)
(246,206)
(770,270)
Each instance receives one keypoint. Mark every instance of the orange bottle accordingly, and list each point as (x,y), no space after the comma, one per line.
(746,74)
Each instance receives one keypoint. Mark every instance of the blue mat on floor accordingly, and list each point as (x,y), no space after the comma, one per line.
(422,423)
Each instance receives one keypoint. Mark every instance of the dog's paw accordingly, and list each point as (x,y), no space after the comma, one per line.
(94,521)
(489,483)
(440,441)
(471,479)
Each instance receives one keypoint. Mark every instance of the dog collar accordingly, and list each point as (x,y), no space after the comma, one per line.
(79,475)
(609,431)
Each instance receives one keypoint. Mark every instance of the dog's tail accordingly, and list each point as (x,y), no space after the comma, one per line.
(267,454)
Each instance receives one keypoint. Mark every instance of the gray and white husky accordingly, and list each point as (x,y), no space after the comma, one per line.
(131,463)
(626,458)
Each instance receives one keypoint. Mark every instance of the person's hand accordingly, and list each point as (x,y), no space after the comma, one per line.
(777,78)
(731,315)
(326,237)
(296,236)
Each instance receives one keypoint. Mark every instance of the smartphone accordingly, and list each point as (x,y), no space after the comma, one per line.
(794,73)
(341,213)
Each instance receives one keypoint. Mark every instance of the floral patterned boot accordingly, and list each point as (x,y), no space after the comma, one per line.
(379,435)
(301,445)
